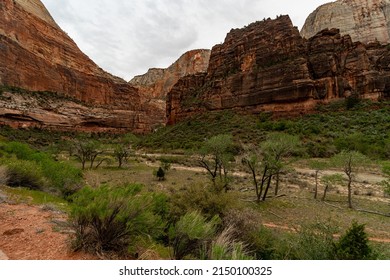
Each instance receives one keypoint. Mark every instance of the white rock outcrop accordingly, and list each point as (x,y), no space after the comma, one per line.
(364,20)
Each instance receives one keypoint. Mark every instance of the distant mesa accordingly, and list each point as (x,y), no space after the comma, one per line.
(364,20)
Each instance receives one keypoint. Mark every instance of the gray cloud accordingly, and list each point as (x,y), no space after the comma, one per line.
(127,37)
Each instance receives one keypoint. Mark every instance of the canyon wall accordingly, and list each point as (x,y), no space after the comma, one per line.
(35,54)
(268,67)
(364,20)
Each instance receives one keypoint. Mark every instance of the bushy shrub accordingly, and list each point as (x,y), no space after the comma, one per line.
(200,198)
(354,244)
(38,170)
(314,242)
(160,174)
(3,175)
(191,234)
(23,173)
(109,219)
(62,176)
(226,247)
(242,222)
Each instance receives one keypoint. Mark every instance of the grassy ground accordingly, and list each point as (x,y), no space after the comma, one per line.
(294,208)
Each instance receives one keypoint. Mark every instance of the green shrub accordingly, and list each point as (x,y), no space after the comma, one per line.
(314,242)
(200,198)
(354,244)
(109,219)
(3,175)
(226,247)
(39,170)
(23,173)
(160,174)
(191,234)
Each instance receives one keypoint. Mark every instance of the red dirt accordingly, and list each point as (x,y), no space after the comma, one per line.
(29,233)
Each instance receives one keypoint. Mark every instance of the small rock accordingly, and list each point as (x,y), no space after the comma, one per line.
(13,231)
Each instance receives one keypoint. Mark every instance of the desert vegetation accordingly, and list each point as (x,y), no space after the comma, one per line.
(219,186)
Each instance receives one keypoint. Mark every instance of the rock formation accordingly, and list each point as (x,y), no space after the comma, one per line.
(268,66)
(364,20)
(158,82)
(35,54)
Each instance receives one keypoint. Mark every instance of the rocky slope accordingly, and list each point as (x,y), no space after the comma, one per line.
(364,20)
(268,66)
(37,55)
(157,82)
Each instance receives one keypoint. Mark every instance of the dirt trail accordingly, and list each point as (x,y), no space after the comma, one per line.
(362,177)
(286,228)
(31,233)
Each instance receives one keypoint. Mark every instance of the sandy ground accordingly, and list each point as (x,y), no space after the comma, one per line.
(31,233)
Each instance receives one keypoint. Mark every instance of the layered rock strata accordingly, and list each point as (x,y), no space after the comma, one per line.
(364,20)
(35,54)
(268,66)
(157,82)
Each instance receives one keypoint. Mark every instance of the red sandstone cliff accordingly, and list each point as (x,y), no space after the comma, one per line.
(157,82)
(35,54)
(268,66)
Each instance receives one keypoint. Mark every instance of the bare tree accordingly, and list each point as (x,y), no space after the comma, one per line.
(317,166)
(329,181)
(350,162)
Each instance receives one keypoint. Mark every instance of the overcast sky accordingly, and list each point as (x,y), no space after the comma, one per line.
(127,37)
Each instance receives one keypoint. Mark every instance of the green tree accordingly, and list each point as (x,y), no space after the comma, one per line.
(121,153)
(277,150)
(87,150)
(350,162)
(354,244)
(215,157)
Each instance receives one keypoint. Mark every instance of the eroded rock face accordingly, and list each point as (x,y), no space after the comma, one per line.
(158,82)
(364,20)
(35,54)
(268,66)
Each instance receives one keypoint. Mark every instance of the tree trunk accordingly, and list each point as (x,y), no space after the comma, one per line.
(325,191)
(277,183)
(256,183)
(316,189)
(350,192)
(263,179)
(267,188)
